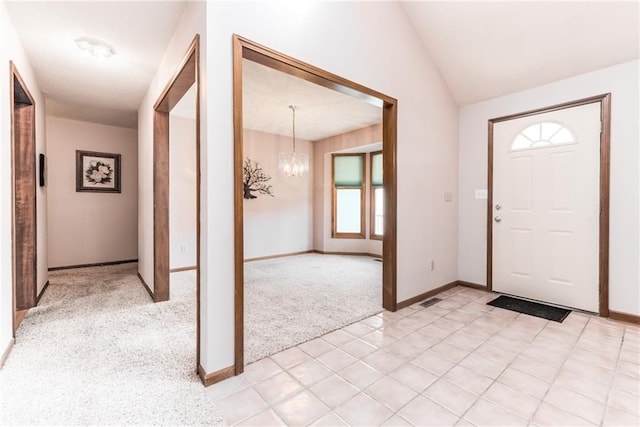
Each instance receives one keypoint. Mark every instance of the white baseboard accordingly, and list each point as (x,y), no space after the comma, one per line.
(6,352)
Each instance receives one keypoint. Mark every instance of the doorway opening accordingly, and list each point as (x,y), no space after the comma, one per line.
(245,49)
(308,249)
(558,205)
(23,162)
(185,78)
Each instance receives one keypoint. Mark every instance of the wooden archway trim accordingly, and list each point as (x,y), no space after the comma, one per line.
(246,49)
(24,211)
(186,76)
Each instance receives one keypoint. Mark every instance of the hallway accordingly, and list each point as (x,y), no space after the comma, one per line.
(97,350)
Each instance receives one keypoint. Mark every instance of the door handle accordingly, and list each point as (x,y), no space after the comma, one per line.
(497,218)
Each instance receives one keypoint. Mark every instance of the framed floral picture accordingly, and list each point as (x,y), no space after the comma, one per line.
(99,172)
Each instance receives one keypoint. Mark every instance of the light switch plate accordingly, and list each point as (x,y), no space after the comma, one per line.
(448,196)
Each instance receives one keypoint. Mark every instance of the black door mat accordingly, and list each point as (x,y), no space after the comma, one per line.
(531,308)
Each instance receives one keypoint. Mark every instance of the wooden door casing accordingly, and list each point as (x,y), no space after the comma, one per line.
(605,144)
(24,194)
(546,197)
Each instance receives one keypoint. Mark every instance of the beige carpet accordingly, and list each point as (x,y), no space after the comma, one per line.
(291,300)
(97,350)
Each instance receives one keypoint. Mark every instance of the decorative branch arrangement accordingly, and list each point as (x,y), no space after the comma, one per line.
(255,179)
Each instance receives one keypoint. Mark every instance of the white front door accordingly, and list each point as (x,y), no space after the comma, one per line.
(546,196)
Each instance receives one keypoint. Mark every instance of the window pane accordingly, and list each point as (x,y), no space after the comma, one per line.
(376,169)
(532,132)
(562,137)
(348,171)
(541,135)
(348,211)
(549,129)
(378,211)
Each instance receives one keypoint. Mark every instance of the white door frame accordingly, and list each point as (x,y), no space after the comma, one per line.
(605,136)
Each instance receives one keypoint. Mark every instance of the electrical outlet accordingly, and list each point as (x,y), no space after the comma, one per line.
(183,248)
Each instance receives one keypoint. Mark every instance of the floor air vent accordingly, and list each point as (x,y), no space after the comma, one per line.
(430,302)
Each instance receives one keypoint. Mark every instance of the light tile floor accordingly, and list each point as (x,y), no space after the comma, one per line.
(458,362)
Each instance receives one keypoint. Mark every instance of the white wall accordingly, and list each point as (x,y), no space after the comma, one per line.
(622,82)
(182,192)
(12,51)
(339,37)
(88,228)
(281,224)
(323,190)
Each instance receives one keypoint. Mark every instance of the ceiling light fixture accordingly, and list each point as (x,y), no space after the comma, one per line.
(95,48)
(292,163)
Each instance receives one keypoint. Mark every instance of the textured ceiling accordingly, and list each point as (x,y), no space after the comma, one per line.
(267,94)
(321,112)
(80,87)
(488,49)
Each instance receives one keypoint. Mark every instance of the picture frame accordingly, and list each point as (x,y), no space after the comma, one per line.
(98,172)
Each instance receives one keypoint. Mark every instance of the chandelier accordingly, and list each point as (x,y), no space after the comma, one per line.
(292,163)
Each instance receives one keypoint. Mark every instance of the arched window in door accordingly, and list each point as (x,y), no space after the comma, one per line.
(541,135)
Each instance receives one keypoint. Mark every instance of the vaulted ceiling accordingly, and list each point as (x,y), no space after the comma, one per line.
(486,49)
(482,49)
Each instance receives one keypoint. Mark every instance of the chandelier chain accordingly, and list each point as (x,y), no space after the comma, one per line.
(292,163)
(293,108)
